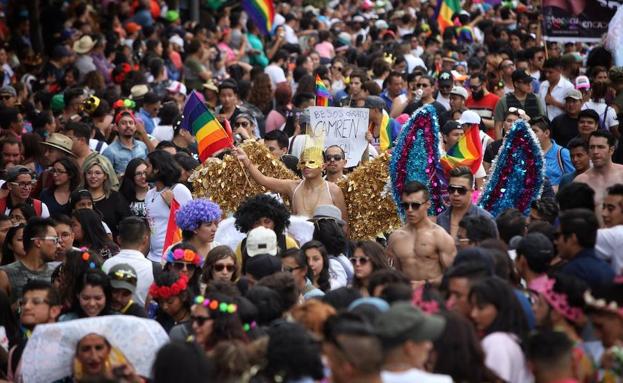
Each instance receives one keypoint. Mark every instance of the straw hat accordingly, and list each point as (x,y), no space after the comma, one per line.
(84,45)
(60,142)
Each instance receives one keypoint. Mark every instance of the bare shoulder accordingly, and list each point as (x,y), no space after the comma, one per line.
(334,189)
(584,177)
(441,233)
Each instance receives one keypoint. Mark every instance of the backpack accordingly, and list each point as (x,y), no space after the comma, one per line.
(36,204)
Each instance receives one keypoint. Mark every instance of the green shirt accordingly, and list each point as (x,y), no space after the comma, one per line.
(256,43)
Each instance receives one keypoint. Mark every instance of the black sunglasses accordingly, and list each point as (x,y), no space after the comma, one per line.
(179,266)
(199,319)
(411,205)
(220,267)
(334,157)
(462,190)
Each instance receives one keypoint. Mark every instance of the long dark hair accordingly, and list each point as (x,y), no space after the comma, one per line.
(214,255)
(128,187)
(376,255)
(93,231)
(93,277)
(73,172)
(510,316)
(226,326)
(193,283)
(331,235)
(72,269)
(324,283)
(165,169)
(8,256)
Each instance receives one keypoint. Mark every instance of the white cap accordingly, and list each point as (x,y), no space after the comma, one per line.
(261,241)
(177,87)
(381,24)
(469,117)
(459,91)
(582,82)
(176,39)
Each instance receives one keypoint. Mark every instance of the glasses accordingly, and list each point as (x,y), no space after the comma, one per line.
(411,205)
(475,87)
(461,239)
(338,68)
(53,239)
(57,171)
(34,301)
(23,185)
(179,266)
(359,260)
(220,267)
(462,190)
(5,97)
(199,319)
(334,157)
(287,269)
(140,174)
(422,86)
(241,124)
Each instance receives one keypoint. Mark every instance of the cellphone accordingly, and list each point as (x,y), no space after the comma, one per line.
(119,371)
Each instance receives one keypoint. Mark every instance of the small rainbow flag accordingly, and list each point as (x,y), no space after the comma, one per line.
(322,93)
(262,12)
(445,10)
(466,152)
(198,120)
(173,234)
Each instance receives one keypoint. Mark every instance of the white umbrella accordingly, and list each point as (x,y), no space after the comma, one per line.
(49,353)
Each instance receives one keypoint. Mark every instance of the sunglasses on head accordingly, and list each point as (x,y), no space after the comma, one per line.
(334,157)
(411,205)
(220,267)
(200,320)
(359,260)
(462,190)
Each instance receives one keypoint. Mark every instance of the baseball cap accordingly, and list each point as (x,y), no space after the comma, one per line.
(8,90)
(123,276)
(261,241)
(469,117)
(582,82)
(403,322)
(262,266)
(449,126)
(574,94)
(446,78)
(176,39)
(328,211)
(374,102)
(176,87)
(520,75)
(15,171)
(536,245)
(459,91)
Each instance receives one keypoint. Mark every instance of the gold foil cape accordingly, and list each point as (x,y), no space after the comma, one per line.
(228,183)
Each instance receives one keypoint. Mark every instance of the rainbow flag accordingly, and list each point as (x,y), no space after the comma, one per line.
(466,152)
(322,93)
(262,12)
(174,234)
(445,10)
(210,135)
(388,133)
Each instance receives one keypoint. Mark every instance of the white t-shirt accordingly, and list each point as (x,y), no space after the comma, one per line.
(608,247)
(603,109)
(414,375)
(503,356)
(163,133)
(158,216)
(337,274)
(275,73)
(559,92)
(413,61)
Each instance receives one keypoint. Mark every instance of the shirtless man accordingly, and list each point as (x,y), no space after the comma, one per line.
(305,194)
(604,173)
(428,250)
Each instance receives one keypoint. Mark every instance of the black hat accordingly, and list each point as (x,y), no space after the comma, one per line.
(536,244)
(520,75)
(449,126)
(262,265)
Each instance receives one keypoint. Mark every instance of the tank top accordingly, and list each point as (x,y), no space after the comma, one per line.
(19,275)
(299,208)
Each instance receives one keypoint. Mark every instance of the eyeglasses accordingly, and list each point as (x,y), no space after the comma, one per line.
(334,157)
(35,302)
(140,174)
(53,239)
(359,260)
(411,205)
(241,124)
(422,86)
(23,185)
(179,266)
(199,319)
(220,267)
(462,190)
(461,239)
(287,269)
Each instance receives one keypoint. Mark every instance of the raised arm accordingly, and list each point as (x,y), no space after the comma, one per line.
(285,187)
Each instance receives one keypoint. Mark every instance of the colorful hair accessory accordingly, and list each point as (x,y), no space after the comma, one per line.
(215,305)
(558,301)
(602,304)
(85,256)
(428,306)
(169,291)
(249,326)
(92,265)
(183,255)
(124,104)
(190,216)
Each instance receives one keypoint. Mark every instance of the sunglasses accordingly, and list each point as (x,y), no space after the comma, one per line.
(334,157)
(220,267)
(475,87)
(422,86)
(287,269)
(5,97)
(241,124)
(199,319)
(179,266)
(359,260)
(411,205)
(462,190)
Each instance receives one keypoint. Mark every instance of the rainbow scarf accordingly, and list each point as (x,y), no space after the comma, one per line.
(466,152)
(322,93)
(262,12)
(386,135)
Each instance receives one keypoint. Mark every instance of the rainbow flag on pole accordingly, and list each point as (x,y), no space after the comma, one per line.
(322,93)
(262,12)
(445,10)
(198,120)
(466,152)
(173,234)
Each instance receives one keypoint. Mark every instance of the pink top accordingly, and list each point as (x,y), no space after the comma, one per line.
(274,120)
(325,49)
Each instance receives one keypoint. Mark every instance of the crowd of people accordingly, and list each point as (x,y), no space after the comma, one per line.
(94,155)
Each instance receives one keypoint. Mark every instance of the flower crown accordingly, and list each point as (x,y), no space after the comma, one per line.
(181,255)
(169,291)
(558,301)
(124,103)
(215,305)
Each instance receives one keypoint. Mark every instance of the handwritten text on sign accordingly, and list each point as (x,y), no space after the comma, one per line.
(344,127)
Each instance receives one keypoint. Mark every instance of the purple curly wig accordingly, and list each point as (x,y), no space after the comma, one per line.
(190,216)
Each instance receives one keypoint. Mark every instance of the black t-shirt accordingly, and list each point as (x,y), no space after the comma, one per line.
(564,128)
(492,151)
(113,209)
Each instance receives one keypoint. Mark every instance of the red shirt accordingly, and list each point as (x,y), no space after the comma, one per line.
(484,107)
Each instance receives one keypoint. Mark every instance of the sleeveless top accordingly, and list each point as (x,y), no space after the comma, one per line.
(19,275)
(531,106)
(320,200)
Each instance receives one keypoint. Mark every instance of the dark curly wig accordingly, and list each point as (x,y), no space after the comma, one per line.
(261,206)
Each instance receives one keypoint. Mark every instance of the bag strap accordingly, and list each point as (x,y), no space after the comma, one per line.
(561,164)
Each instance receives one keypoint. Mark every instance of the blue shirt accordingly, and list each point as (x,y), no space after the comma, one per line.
(119,155)
(556,167)
(587,267)
(147,120)
(389,101)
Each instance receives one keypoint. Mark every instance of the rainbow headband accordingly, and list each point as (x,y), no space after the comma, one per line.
(181,255)
(166,292)
(215,305)
(557,301)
